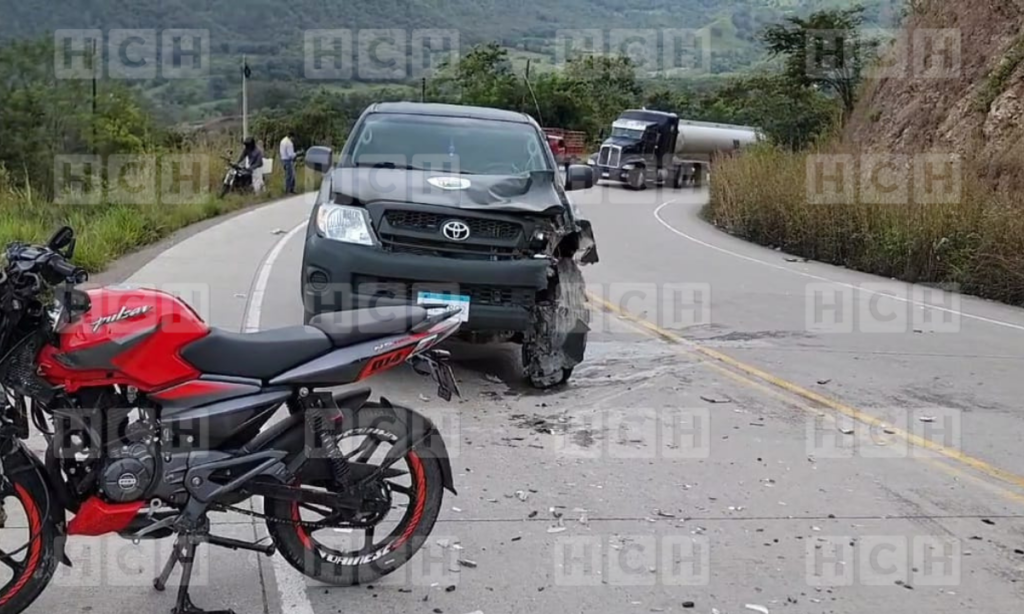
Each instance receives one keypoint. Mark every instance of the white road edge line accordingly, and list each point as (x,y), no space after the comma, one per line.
(254,309)
(961,313)
(291,585)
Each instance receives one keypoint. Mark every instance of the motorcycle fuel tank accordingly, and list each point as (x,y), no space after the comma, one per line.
(129,336)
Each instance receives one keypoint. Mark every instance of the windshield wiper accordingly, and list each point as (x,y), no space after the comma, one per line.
(404,167)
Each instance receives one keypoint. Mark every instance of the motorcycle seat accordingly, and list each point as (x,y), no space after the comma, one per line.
(260,355)
(345,328)
(265,354)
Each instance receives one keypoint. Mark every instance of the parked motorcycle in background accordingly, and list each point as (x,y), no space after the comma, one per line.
(238,179)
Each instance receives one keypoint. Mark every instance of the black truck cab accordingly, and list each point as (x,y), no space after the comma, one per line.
(641,149)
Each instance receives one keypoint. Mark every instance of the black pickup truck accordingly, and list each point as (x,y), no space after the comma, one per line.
(434,203)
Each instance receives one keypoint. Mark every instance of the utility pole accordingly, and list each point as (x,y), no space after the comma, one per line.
(522,100)
(245,98)
(423,90)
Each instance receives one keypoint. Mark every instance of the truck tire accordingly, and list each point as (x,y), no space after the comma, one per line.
(638,178)
(677,179)
(557,341)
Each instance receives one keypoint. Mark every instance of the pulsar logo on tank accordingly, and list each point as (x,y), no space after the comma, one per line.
(124,314)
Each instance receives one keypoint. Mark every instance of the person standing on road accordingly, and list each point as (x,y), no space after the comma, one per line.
(253,158)
(288,162)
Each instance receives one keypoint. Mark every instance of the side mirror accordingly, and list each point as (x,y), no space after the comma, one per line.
(61,239)
(319,159)
(579,177)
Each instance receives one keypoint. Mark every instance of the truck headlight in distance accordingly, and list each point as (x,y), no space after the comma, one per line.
(592,160)
(346,224)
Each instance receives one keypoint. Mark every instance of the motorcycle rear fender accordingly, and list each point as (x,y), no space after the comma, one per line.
(290,433)
(422,432)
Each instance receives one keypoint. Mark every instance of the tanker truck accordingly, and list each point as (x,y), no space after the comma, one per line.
(654,147)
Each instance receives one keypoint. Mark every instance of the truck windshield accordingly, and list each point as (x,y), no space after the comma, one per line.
(448,144)
(628,133)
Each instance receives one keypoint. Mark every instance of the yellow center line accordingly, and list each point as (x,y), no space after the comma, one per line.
(705,353)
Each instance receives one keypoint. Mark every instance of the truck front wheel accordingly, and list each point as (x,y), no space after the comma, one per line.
(557,341)
(638,178)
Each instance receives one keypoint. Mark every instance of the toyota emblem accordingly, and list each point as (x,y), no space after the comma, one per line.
(455,230)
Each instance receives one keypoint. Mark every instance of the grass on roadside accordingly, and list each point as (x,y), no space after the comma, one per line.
(111,222)
(974,243)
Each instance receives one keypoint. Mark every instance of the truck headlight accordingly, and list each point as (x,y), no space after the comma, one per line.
(346,224)
(628,167)
(591,161)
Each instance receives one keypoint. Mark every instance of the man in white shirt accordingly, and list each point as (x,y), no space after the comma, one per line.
(288,162)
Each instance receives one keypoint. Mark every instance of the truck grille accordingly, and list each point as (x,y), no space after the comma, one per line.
(406,289)
(411,231)
(478,228)
(610,155)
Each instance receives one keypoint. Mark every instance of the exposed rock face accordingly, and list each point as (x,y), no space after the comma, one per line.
(962,87)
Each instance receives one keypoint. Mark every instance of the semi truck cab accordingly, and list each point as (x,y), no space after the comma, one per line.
(647,147)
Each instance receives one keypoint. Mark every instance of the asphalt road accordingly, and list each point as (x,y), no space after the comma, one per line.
(728,443)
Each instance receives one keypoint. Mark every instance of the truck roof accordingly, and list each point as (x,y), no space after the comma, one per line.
(450,110)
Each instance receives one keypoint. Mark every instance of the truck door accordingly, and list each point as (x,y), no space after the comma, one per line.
(650,145)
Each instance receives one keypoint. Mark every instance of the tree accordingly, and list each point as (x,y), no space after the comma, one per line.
(826,50)
(483,77)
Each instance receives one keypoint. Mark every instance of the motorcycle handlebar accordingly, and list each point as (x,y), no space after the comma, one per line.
(44,260)
(67,270)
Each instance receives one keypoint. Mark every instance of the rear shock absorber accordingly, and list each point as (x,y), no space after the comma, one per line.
(323,426)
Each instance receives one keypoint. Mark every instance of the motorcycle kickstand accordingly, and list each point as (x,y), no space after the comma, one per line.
(184,553)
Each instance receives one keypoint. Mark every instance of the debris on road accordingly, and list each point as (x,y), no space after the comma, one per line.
(450,589)
(278,231)
(555,529)
(822,382)
(688,604)
(532,514)
(846,431)
(926,418)
(714,400)
(522,495)
(468,563)
(456,509)
(493,378)
(664,514)
(424,398)
(756,608)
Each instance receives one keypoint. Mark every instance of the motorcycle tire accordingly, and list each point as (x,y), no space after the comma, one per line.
(36,563)
(329,566)
(224,190)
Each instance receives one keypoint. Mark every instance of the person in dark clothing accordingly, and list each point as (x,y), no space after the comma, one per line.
(252,158)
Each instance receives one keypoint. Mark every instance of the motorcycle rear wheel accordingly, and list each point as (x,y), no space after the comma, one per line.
(33,563)
(425,493)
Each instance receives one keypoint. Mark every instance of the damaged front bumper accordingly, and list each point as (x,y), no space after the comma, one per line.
(340,277)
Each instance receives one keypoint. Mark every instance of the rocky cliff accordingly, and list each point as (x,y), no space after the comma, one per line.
(961,87)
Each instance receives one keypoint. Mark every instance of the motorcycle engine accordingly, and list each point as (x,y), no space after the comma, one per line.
(106,448)
(130,468)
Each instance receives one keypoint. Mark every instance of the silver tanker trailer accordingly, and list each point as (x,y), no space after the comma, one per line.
(633,153)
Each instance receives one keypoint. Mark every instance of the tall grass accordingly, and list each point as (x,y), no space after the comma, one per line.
(112,218)
(973,243)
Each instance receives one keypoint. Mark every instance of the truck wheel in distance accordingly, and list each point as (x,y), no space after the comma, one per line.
(638,178)
(677,179)
(557,341)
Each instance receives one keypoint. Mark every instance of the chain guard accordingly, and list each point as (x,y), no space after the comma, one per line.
(374,520)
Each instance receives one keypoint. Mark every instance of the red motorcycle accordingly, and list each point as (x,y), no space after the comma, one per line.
(154,420)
